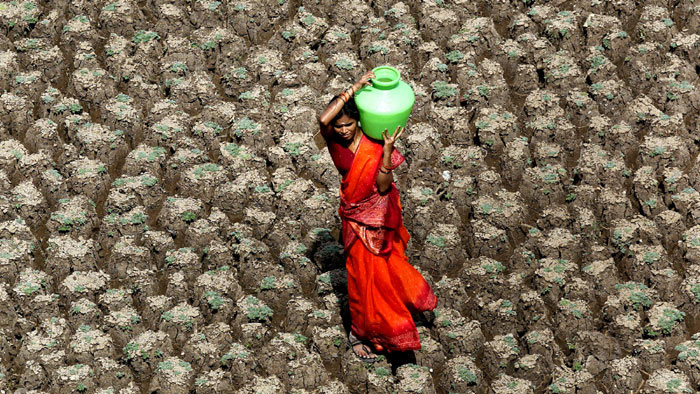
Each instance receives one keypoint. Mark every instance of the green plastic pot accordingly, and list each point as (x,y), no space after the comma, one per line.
(386,104)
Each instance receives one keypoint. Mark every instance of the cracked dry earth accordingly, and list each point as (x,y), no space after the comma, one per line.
(168,226)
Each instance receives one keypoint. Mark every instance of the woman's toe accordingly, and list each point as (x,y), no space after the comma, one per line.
(363,351)
(368,352)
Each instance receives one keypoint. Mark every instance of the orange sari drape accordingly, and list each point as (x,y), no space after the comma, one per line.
(383,288)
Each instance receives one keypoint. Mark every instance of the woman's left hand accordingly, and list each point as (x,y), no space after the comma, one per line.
(389,140)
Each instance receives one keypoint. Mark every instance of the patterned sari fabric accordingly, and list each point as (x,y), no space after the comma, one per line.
(383,288)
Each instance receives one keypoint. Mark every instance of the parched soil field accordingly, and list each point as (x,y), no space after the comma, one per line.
(167,224)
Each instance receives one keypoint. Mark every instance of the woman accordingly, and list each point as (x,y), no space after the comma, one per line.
(383,288)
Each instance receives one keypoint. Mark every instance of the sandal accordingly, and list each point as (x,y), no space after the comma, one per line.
(353,341)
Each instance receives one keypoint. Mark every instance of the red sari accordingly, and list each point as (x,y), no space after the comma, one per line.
(383,288)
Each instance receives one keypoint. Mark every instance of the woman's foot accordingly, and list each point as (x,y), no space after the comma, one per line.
(361,350)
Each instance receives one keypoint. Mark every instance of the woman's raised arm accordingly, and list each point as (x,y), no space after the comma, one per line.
(336,105)
(384,177)
(329,113)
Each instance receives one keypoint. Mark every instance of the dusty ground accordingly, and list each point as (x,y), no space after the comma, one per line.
(167,225)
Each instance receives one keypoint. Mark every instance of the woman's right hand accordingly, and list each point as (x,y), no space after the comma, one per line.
(364,80)
(389,140)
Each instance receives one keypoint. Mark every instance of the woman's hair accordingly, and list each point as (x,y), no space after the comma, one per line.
(349,109)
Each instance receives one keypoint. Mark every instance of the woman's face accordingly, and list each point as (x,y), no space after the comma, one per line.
(345,127)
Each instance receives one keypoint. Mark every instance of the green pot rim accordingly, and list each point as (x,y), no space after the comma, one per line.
(389,84)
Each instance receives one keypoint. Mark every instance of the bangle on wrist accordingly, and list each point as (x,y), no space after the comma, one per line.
(384,170)
(391,168)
